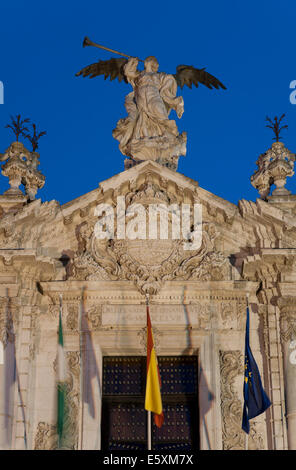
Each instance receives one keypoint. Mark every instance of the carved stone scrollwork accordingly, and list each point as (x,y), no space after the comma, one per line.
(46,437)
(35,333)
(233,437)
(231,407)
(287,307)
(142,334)
(148,263)
(72,317)
(53,310)
(263,313)
(94,316)
(206,313)
(273,168)
(150,191)
(255,438)
(8,315)
(229,315)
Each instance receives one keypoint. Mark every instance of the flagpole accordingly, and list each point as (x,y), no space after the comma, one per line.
(149,446)
(59,369)
(256,400)
(149,431)
(60,316)
(247,435)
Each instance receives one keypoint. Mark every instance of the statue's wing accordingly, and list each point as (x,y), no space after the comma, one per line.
(188,75)
(112,68)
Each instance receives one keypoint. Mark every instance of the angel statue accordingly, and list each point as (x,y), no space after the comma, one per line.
(147,133)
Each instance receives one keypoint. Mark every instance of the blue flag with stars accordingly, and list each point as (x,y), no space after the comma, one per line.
(255,399)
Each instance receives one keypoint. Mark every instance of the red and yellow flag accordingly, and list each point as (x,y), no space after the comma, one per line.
(153,400)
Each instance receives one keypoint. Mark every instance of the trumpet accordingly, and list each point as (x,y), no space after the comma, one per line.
(88,42)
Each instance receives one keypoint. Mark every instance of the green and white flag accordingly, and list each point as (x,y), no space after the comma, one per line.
(61,382)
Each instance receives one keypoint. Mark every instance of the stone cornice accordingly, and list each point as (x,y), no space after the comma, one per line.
(172,292)
(144,167)
(28,263)
(287,305)
(273,219)
(269,263)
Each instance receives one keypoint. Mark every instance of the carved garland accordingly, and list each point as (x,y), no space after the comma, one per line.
(8,318)
(233,437)
(231,407)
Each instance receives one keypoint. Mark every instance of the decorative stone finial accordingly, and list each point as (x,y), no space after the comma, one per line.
(274,166)
(15,167)
(21,168)
(21,164)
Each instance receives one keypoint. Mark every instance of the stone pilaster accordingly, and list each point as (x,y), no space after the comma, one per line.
(8,320)
(288,338)
(24,358)
(274,376)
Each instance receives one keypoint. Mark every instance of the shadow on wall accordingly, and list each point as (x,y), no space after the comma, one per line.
(91,374)
(10,379)
(205,396)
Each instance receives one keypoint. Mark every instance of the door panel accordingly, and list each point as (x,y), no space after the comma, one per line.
(124,419)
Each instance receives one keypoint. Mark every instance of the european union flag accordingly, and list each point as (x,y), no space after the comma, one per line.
(255,399)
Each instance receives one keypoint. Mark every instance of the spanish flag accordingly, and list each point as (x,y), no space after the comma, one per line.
(153,397)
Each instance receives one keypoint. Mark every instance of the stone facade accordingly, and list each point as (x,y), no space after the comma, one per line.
(197,302)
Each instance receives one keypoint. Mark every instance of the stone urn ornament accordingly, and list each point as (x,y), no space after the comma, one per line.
(275,165)
(21,164)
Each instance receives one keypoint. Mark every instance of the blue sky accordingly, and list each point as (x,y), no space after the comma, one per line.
(249,46)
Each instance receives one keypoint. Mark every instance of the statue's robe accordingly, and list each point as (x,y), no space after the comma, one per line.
(148,108)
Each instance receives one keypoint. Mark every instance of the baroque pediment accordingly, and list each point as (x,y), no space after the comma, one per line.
(148,261)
